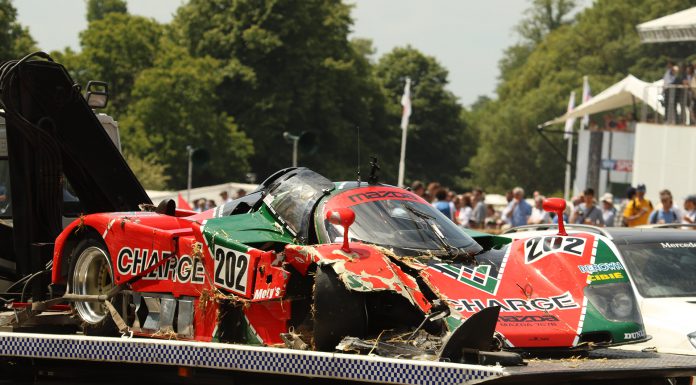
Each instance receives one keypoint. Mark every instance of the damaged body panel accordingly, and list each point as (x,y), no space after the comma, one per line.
(304,262)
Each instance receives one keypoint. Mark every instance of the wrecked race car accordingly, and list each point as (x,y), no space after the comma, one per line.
(308,263)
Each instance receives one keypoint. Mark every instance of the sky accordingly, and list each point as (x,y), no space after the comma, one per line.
(467,37)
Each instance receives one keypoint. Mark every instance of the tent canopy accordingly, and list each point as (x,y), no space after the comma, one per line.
(680,26)
(621,94)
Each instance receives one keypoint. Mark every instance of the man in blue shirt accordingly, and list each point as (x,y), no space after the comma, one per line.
(668,213)
(443,205)
(519,210)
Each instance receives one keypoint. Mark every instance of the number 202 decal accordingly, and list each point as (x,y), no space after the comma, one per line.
(231,269)
(539,247)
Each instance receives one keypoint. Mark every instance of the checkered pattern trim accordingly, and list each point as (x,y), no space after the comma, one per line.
(243,358)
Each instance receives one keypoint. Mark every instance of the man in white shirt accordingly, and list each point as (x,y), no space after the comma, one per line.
(539,215)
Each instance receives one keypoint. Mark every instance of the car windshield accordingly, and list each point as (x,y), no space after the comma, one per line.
(292,199)
(406,226)
(662,269)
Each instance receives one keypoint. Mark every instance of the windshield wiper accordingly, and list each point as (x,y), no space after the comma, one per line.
(452,252)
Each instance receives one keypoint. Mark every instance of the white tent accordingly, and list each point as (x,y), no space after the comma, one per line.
(624,93)
(207,192)
(680,26)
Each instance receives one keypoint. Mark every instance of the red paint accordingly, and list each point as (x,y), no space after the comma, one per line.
(181,202)
(356,196)
(558,206)
(554,276)
(269,320)
(345,217)
(365,263)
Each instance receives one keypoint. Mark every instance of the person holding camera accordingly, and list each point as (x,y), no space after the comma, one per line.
(587,213)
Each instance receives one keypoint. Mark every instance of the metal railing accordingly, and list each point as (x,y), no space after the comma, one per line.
(671,104)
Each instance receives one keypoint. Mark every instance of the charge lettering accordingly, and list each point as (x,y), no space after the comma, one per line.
(124,261)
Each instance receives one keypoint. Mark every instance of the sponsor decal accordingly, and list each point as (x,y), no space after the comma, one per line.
(672,245)
(539,247)
(635,335)
(477,276)
(183,269)
(515,305)
(266,293)
(231,269)
(594,268)
(606,277)
(380,194)
(528,320)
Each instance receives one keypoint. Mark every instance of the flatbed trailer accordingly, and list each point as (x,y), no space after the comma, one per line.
(222,361)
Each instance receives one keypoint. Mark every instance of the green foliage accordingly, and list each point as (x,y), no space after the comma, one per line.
(97,9)
(543,17)
(290,67)
(149,171)
(439,142)
(536,80)
(224,75)
(115,49)
(174,105)
(15,40)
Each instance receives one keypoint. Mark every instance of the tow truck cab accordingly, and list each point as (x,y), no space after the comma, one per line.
(58,160)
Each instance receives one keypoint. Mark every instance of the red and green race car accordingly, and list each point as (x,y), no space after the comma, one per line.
(306,262)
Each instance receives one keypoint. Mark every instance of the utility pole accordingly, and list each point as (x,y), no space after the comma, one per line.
(294,139)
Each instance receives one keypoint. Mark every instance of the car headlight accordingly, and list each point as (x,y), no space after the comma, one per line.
(615,301)
(622,305)
(692,338)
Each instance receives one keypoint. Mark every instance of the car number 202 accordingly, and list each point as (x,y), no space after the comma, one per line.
(231,269)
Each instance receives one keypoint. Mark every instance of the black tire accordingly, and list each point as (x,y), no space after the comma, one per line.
(106,325)
(338,312)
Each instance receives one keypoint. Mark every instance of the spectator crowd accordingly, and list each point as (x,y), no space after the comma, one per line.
(203,204)
(470,209)
(679,89)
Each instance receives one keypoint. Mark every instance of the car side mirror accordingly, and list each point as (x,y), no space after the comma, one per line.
(557,206)
(345,217)
(97,95)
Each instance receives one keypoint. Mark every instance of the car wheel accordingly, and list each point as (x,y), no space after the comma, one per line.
(338,312)
(91,274)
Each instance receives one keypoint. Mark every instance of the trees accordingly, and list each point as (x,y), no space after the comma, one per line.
(227,74)
(15,40)
(439,141)
(151,173)
(543,17)
(115,48)
(536,80)
(288,67)
(97,9)
(174,105)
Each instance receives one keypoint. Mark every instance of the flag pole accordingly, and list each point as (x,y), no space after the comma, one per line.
(406,103)
(569,136)
(569,159)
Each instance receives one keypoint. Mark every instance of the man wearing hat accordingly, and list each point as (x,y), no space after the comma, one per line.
(608,209)
(638,209)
